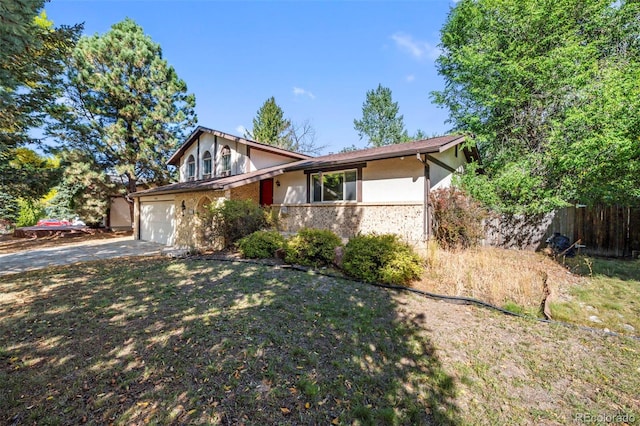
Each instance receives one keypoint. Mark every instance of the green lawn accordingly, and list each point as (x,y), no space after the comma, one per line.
(159,341)
(610,299)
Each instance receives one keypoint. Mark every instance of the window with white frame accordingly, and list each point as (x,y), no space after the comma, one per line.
(191,168)
(226,160)
(334,186)
(206,165)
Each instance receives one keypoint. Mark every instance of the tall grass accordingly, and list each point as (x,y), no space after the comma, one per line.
(498,276)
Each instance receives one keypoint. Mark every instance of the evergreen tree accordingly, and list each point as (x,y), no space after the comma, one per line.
(126,110)
(270,126)
(380,121)
(9,209)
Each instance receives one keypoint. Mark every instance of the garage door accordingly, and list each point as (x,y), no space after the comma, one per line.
(158,222)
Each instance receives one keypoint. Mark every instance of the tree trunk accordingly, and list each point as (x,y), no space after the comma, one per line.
(131,188)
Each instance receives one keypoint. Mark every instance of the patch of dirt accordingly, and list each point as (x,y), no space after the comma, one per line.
(11,244)
(522,367)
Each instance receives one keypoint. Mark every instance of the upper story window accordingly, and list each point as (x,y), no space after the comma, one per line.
(226,160)
(191,168)
(206,165)
(334,186)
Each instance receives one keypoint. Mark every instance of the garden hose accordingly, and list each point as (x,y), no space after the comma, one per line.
(450,299)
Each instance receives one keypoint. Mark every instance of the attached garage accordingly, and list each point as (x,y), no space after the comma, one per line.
(158,220)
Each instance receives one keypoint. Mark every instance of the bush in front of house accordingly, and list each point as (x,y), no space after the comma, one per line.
(233,219)
(312,247)
(457,218)
(261,244)
(382,259)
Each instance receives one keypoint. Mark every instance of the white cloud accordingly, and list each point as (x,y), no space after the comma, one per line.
(410,78)
(297,91)
(241,130)
(416,48)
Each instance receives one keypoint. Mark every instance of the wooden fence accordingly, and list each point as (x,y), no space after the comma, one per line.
(612,231)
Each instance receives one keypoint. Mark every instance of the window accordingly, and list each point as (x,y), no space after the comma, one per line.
(191,168)
(334,186)
(226,161)
(206,165)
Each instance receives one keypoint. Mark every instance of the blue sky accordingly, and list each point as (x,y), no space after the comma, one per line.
(318,59)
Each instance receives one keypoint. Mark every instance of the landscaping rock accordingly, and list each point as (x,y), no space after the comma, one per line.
(595,319)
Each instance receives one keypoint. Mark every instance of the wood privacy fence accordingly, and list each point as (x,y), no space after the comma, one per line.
(612,231)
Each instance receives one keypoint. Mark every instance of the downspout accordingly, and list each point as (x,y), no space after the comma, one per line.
(426,214)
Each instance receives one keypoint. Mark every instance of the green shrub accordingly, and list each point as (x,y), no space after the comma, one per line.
(30,212)
(457,218)
(381,259)
(232,220)
(312,247)
(261,244)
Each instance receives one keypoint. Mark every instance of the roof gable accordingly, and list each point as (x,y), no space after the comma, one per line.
(174,160)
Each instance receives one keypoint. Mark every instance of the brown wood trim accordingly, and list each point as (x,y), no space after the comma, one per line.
(427,202)
(359,185)
(440,163)
(336,168)
(308,188)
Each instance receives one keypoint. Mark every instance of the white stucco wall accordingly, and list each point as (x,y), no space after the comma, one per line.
(261,159)
(393,180)
(292,189)
(440,177)
(239,161)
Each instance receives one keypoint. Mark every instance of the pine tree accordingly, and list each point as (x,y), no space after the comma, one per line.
(270,126)
(380,121)
(126,108)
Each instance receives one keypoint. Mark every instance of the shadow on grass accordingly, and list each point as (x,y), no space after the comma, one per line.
(204,342)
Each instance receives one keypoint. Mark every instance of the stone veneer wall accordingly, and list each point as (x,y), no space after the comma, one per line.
(189,223)
(403,219)
(249,191)
(189,226)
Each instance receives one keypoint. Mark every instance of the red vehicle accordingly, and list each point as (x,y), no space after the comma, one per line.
(53,222)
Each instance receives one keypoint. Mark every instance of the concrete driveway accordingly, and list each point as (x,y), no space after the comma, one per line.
(81,252)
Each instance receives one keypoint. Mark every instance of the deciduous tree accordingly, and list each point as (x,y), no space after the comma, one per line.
(549,90)
(32,55)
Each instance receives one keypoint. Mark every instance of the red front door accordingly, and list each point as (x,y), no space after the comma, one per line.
(266,192)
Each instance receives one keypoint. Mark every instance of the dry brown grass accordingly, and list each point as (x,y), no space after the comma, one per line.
(498,276)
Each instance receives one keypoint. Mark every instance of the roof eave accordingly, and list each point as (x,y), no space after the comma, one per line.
(373,157)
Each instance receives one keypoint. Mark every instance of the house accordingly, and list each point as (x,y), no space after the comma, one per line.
(382,189)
